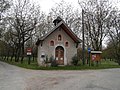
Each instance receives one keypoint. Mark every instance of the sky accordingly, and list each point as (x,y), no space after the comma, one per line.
(46,5)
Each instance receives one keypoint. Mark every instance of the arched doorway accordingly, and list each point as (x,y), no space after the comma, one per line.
(59,55)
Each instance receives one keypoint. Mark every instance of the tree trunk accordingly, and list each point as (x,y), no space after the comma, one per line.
(16,54)
(22,50)
(5,57)
(13,54)
(8,55)
(118,61)
(33,57)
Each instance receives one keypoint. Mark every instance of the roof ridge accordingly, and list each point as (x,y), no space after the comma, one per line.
(68,31)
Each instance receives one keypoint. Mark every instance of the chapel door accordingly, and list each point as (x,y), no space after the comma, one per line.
(59,54)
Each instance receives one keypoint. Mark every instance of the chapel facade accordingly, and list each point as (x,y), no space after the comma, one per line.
(61,43)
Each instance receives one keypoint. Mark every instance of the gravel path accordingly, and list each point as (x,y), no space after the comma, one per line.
(15,78)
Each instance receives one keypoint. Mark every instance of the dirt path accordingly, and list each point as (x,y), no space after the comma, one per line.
(15,78)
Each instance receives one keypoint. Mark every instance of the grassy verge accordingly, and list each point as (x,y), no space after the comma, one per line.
(32,65)
(103,65)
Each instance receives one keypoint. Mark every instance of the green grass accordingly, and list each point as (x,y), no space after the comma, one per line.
(103,65)
(33,64)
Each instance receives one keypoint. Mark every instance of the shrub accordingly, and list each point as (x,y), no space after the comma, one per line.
(53,62)
(51,58)
(75,60)
(46,59)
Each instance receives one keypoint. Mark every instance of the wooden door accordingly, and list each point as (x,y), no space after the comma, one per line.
(59,54)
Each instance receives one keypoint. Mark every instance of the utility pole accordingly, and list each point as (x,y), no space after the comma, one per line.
(83,38)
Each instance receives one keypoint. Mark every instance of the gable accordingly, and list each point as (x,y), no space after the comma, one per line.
(70,33)
(54,36)
(65,28)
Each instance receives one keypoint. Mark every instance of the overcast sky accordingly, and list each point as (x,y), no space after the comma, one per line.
(46,5)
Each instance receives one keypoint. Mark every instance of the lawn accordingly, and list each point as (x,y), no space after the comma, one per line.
(33,65)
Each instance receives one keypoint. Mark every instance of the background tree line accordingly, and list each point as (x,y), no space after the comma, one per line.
(22,23)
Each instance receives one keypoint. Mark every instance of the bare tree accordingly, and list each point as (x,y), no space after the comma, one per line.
(95,21)
(43,26)
(69,14)
(114,33)
(24,19)
(4,6)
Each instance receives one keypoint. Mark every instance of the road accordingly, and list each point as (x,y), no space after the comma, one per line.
(15,78)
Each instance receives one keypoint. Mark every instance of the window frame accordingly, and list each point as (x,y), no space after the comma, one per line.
(66,44)
(60,37)
(52,43)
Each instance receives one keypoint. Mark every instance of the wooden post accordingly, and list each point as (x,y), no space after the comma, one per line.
(83,45)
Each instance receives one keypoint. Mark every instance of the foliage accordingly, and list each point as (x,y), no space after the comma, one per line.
(53,62)
(46,59)
(114,34)
(108,53)
(113,51)
(75,60)
(51,58)
(79,53)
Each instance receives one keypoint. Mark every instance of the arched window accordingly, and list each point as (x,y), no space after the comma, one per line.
(66,44)
(59,37)
(51,43)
